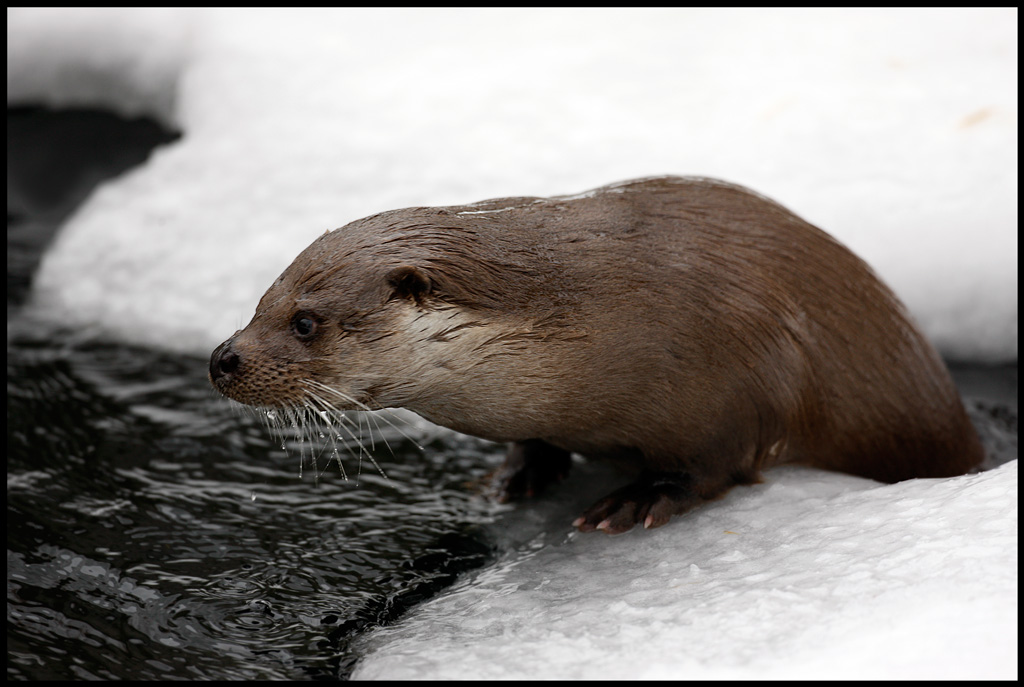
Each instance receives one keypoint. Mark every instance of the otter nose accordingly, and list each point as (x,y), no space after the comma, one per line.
(223,362)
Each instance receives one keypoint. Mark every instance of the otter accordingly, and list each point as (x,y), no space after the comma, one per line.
(688,329)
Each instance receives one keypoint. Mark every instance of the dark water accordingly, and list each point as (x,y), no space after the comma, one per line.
(154,531)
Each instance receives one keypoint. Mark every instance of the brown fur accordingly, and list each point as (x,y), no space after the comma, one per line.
(688,326)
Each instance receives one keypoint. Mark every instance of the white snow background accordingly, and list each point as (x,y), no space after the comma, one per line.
(894,130)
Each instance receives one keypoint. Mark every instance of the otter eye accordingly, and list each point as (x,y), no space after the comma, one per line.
(304,326)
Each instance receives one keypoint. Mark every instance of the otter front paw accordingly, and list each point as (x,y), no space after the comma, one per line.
(651,500)
(528,468)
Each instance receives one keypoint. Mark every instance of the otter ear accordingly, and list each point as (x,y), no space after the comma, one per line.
(409,282)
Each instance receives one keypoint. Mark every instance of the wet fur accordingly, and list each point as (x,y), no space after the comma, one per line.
(686,327)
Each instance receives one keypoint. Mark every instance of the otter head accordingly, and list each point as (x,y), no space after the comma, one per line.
(413,309)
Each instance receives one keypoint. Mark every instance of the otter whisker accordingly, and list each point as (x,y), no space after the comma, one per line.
(329,412)
(333,419)
(372,416)
(327,419)
(277,422)
(305,425)
(368,429)
(302,422)
(362,406)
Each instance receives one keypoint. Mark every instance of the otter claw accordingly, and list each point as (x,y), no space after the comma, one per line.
(652,500)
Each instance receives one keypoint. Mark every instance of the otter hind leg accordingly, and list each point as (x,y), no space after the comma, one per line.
(651,501)
(529,467)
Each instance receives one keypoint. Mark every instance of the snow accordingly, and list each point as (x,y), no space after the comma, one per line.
(808,576)
(894,130)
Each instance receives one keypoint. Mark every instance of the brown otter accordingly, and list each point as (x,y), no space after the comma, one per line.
(689,328)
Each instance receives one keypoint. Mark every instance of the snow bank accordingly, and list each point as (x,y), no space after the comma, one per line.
(895,130)
(810,575)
